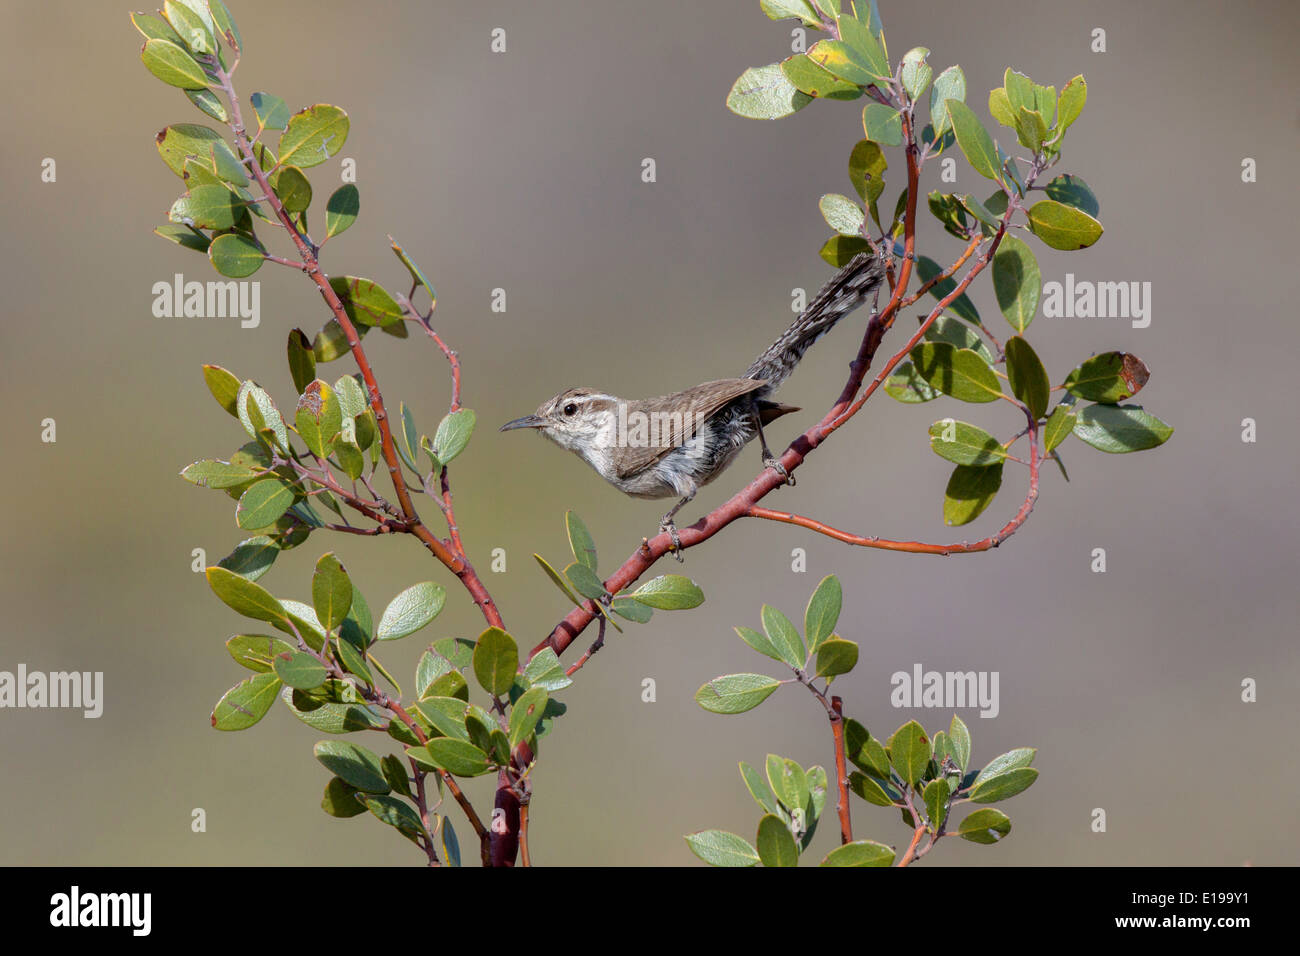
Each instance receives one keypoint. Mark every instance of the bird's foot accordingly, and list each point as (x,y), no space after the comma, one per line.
(668,525)
(771,461)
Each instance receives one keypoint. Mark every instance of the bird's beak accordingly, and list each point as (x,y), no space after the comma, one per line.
(528,421)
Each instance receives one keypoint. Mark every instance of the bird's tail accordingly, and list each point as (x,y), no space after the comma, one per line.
(845,291)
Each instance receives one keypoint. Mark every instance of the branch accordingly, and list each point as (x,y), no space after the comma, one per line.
(768,480)
(841,770)
(456,563)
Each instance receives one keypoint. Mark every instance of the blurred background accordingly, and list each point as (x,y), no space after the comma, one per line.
(521,170)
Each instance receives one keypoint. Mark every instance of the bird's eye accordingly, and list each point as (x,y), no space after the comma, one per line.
(570,409)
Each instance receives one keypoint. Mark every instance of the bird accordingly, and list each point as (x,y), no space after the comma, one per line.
(672,445)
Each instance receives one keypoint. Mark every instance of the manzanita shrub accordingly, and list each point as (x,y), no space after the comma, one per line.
(482,706)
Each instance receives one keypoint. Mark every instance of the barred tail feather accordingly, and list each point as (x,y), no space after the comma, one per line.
(846,290)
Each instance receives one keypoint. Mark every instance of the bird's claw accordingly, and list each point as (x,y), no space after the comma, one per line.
(775,464)
(668,525)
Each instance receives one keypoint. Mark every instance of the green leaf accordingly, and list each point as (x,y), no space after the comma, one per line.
(396,813)
(870,790)
(970,490)
(758,642)
(257,652)
(457,757)
(546,671)
(331,342)
(331,591)
(453,435)
(758,788)
(927,269)
(182,143)
(788,782)
(155,28)
(823,611)
(840,61)
(864,750)
(1030,129)
(860,853)
(987,825)
(670,592)
(961,373)
(246,703)
(764,92)
(809,76)
(916,73)
(353,763)
(313,135)
(1015,759)
(366,302)
(293,188)
(559,581)
(525,714)
(407,441)
(257,411)
(340,799)
(974,140)
(1017,282)
(1070,105)
(959,741)
(1073,191)
(631,609)
(949,85)
(863,46)
(842,214)
(171,64)
(209,473)
(1003,786)
(272,112)
(446,715)
(208,207)
(936,795)
(411,610)
(301,670)
(836,656)
(720,848)
(839,250)
(302,361)
(882,124)
(319,418)
(735,693)
(965,444)
(1117,429)
(909,751)
(585,581)
(784,637)
(1058,427)
(784,9)
(244,596)
(1000,107)
(1061,226)
(264,502)
(496,659)
(959,335)
(775,844)
(905,386)
(353,659)
(185,237)
(1027,377)
(1109,377)
(342,209)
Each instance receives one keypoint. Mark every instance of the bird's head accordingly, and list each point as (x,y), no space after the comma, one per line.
(575,419)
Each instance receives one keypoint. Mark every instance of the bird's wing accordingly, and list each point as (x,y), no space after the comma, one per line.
(672,420)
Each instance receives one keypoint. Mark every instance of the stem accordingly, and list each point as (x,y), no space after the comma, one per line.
(841,770)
